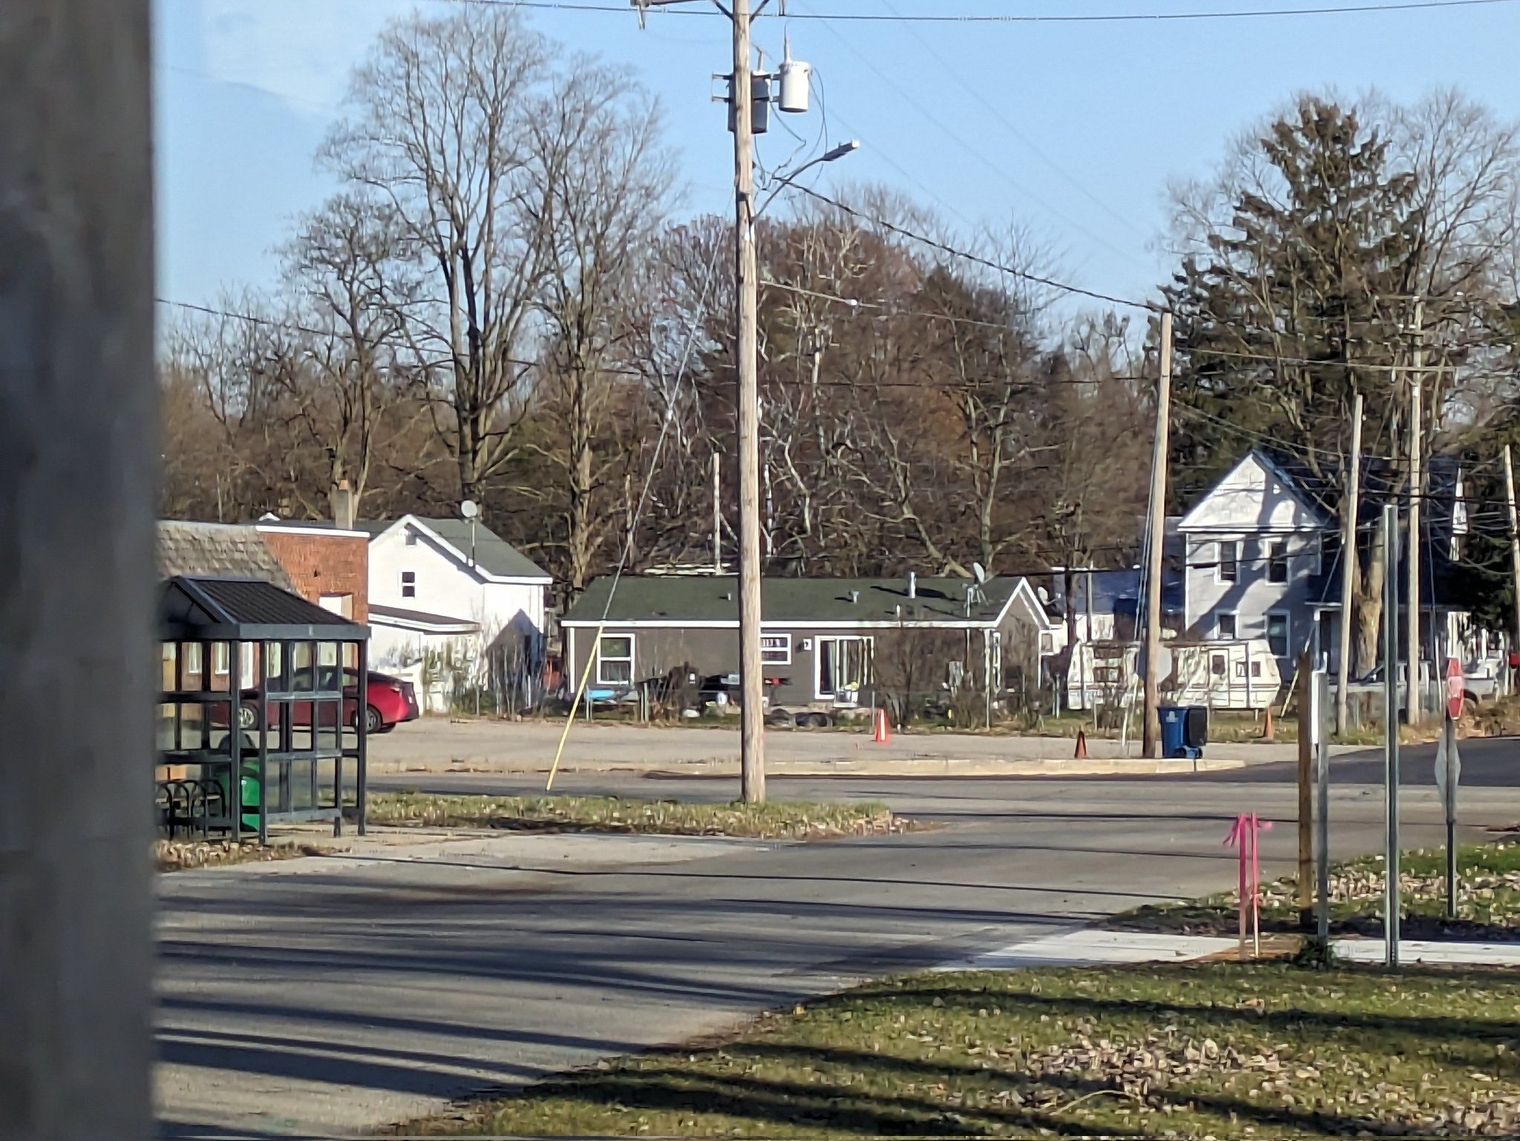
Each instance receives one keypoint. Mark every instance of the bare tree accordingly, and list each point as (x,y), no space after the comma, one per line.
(605,179)
(440,135)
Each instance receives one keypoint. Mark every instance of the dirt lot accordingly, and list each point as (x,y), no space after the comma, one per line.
(438,744)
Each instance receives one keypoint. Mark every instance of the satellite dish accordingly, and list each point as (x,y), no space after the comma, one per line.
(469,509)
(978,572)
(1043,594)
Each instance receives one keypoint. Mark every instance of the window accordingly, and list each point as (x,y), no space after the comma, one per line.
(614,660)
(1277,560)
(1329,551)
(1224,624)
(408,584)
(1217,665)
(843,668)
(776,649)
(1277,635)
(1229,561)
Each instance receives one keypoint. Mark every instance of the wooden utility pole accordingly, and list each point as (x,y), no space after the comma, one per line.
(1156,546)
(1417,381)
(1306,737)
(1514,539)
(78,467)
(1349,565)
(747,398)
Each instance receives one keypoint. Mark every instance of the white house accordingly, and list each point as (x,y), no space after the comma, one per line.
(1259,549)
(452,596)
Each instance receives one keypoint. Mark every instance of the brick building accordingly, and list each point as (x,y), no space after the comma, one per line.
(327,566)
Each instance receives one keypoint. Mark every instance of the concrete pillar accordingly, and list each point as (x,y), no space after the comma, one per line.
(78,436)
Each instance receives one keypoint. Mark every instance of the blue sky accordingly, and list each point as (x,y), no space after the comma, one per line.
(1071,129)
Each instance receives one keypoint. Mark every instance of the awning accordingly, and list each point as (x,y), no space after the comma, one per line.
(420,621)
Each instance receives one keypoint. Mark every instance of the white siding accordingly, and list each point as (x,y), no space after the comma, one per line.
(445,585)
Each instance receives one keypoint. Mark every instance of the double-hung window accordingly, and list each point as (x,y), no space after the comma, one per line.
(1228,567)
(1277,560)
(1277,635)
(614,659)
(408,584)
(776,649)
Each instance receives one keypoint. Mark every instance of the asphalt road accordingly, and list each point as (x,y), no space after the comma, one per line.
(1492,762)
(327,997)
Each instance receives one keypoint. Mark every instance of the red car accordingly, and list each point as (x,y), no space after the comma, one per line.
(389,701)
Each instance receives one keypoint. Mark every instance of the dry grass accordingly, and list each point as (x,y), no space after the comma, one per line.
(775,820)
(1221,1050)
(184,855)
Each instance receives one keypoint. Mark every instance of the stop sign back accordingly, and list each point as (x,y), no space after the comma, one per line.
(1455,687)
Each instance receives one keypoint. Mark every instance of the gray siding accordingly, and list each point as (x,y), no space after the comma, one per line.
(1252,597)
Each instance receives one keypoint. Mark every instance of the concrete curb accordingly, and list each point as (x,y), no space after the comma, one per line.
(885,768)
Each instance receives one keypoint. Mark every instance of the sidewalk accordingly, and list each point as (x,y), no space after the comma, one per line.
(437,745)
(1091,948)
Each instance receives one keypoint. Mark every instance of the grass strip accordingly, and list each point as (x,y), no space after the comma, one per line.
(774,820)
(186,855)
(1488,899)
(1217,1050)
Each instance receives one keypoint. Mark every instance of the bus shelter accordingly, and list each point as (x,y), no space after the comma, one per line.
(260,720)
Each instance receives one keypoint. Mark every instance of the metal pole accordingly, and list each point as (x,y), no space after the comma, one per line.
(1348,564)
(751,677)
(1514,539)
(1307,729)
(1322,818)
(1159,448)
(1412,613)
(78,459)
(1451,819)
(1391,731)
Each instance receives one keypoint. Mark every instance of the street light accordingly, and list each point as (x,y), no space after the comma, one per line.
(833,154)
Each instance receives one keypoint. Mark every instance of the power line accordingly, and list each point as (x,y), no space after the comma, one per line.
(1024,275)
(992,109)
(976,153)
(1095,18)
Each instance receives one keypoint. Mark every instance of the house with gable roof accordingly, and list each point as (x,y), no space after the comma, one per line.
(1255,549)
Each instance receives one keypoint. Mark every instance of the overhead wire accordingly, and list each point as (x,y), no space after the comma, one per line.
(1021,18)
(934,243)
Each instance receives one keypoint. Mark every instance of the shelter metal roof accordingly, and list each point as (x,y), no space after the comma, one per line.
(246,610)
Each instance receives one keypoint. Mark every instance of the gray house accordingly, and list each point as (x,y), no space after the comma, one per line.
(827,644)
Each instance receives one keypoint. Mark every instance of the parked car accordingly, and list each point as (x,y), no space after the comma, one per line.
(389,700)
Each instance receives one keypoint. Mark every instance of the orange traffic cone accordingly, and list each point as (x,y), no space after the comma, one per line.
(883,733)
(1081,753)
(1268,733)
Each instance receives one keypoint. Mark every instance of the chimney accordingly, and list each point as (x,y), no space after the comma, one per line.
(343,506)
(912,584)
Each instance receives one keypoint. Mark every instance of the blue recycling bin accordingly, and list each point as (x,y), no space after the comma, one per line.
(1184,731)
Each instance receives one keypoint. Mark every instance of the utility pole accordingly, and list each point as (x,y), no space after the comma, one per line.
(1417,380)
(1348,563)
(717,496)
(1151,744)
(747,400)
(78,468)
(1514,539)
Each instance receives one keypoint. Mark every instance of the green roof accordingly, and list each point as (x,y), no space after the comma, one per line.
(493,554)
(713,598)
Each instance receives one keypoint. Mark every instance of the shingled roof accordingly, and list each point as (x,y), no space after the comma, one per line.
(844,601)
(217,550)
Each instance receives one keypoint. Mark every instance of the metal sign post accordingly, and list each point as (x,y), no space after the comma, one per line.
(1391,732)
(1320,698)
(1449,775)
